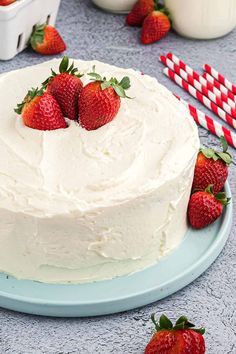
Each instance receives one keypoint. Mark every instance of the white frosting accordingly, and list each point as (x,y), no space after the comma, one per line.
(79,205)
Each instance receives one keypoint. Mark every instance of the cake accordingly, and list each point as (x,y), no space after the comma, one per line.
(81,206)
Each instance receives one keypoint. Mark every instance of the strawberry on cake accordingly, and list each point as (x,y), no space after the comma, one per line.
(96,171)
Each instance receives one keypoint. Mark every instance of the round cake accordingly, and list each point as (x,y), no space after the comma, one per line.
(81,206)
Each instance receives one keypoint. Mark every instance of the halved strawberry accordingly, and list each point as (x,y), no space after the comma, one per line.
(46,40)
(99,101)
(65,87)
(41,111)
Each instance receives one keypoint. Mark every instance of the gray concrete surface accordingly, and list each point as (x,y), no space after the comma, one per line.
(211,299)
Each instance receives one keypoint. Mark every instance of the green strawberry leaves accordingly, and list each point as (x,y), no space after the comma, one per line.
(226,157)
(119,87)
(165,322)
(37,35)
(162,8)
(95,76)
(224,143)
(209,153)
(218,155)
(105,85)
(63,68)
(221,196)
(29,97)
(120,91)
(64,64)
(181,323)
(157,327)
(35,92)
(19,107)
(125,83)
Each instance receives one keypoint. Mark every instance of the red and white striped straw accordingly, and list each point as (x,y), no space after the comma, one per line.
(219,86)
(210,124)
(209,69)
(230,109)
(183,66)
(200,97)
(209,85)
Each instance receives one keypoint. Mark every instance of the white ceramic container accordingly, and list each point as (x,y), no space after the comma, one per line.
(18,20)
(203,19)
(116,6)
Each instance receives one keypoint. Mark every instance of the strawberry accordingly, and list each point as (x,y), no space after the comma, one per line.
(41,111)
(65,87)
(205,208)
(212,168)
(139,11)
(46,40)
(182,338)
(155,26)
(6,2)
(99,101)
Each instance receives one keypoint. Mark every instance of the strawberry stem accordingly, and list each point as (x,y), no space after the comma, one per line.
(162,8)
(119,87)
(165,322)
(218,155)
(209,189)
(29,97)
(63,68)
(224,143)
(221,196)
(64,64)
(37,35)
(155,322)
(181,323)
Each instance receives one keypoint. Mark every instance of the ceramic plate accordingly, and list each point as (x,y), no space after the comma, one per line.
(195,254)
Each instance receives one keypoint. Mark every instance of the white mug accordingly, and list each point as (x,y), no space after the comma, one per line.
(202,19)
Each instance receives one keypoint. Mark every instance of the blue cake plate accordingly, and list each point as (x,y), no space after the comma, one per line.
(195,254)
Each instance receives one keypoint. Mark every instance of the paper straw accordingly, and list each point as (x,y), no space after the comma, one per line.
(210,124)
(209,85)
(218,85)
(230,109)
(210,70)
(200,97)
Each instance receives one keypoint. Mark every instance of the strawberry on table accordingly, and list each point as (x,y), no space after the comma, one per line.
(212,168)
(100,100)
(155,26)
(6,2)
(46,40)
(205,208)
(65,87)
(139,11)
(182,338)
(41,111)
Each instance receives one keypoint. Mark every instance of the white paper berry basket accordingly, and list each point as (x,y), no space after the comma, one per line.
(18,20)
